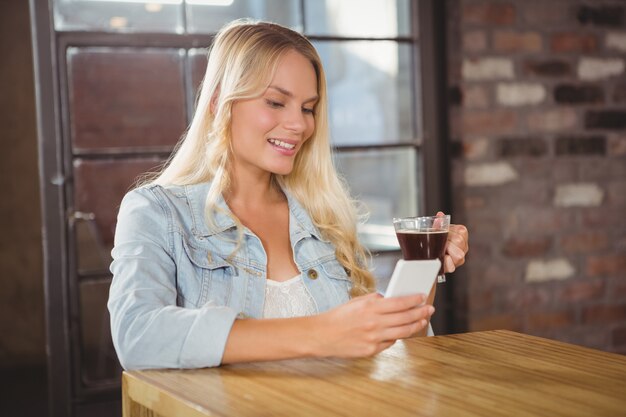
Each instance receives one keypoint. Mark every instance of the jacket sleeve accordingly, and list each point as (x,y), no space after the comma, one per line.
(148,329)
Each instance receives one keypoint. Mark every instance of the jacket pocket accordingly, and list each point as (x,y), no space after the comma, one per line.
(204,277)
(335,270)
(339,279)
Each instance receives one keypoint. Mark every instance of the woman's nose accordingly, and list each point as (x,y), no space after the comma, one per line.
(295,120)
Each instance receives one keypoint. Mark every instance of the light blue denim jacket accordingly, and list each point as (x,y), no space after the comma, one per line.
(175,293)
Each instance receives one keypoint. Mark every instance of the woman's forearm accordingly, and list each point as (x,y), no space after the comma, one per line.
(363,326)
(271,339)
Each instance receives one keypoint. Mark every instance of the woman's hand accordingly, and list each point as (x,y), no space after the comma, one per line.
(457,248)
(370,324)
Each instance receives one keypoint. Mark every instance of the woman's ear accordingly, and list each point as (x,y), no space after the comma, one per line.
(213,103)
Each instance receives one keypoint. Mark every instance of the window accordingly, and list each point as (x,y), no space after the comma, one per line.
(369,64)
(373,81)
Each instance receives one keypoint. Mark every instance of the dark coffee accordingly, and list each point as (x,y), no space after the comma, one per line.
(426,244)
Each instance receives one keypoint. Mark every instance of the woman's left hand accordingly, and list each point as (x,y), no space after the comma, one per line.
(458,245)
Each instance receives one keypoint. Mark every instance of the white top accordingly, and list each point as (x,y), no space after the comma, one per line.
(291,299)
(287,299)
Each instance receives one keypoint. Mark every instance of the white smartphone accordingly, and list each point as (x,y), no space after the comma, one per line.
(413,277)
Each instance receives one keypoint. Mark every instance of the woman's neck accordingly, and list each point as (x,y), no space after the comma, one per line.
(252,190)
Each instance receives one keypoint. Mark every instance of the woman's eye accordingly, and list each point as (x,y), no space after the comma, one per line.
(308,111)
(274,104)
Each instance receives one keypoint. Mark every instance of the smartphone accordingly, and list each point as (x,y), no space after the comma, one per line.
(413,277)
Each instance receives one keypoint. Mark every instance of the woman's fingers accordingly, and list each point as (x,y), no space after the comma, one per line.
(448,264)
(457,248)
(405,331)
(455,257)
(459,236)
(404,323)
(396,304)
(384,345)
(438,222)
(408,317)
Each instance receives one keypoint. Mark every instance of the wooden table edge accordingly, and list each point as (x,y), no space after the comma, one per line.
(135,383)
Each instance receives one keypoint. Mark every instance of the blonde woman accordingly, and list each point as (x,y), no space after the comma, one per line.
(244,247)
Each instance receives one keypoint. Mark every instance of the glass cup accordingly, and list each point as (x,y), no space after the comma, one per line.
(423,238)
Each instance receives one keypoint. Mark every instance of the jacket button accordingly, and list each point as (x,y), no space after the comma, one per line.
(312,274)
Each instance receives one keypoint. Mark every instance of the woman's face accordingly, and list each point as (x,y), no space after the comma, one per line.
(268,131)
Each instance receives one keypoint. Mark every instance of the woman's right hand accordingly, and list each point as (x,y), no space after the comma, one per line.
(369,324)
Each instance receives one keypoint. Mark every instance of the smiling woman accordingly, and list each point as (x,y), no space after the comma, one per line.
(244,246)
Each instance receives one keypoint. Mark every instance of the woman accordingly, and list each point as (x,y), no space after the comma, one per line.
(244,247)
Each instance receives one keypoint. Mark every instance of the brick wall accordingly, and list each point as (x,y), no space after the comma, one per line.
(538,130)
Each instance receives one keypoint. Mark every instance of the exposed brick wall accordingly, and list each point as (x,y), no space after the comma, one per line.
(538,131)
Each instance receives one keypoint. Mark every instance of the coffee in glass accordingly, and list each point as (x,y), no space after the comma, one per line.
(423,238)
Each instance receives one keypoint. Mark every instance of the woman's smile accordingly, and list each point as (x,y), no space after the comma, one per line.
(284,146)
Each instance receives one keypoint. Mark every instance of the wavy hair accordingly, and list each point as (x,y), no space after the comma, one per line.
(241,64)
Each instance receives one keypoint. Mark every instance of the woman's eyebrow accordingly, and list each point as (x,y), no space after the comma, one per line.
(290,94)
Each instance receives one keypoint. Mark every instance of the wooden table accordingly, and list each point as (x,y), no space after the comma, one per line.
(472,374)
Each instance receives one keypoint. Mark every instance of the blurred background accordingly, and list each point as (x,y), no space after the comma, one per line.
(510,114)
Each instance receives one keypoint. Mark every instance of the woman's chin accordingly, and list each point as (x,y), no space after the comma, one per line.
(282,172)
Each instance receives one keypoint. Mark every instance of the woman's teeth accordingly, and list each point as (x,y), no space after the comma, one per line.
(282,144)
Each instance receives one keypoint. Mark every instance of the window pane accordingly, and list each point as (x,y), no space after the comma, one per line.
(208,16)
(358,18)
(164,16)
(100,185)
(370,90)
(385,181)
(126,98)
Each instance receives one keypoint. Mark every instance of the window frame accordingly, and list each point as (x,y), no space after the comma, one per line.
(56,157)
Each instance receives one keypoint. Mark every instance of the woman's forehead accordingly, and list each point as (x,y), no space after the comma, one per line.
(295,75)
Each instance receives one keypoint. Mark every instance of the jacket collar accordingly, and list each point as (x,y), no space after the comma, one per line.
(299,220)
(300,223)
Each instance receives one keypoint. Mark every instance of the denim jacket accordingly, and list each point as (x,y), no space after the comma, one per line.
(177,290)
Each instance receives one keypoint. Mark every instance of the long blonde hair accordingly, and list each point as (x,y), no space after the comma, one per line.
(242,61)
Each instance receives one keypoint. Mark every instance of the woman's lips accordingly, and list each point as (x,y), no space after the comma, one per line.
(285,147)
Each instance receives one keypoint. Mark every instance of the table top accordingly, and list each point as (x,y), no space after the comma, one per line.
(482,373)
